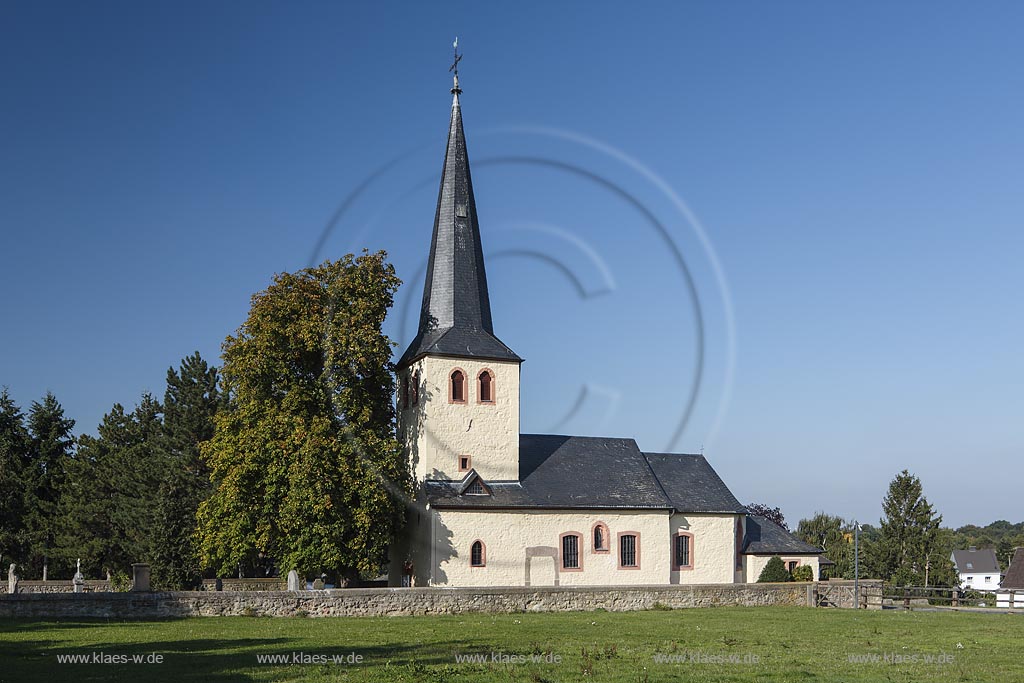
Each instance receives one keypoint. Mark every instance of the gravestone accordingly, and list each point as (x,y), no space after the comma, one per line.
(293,581)
(78,581)
(12,579)
(318,585)
(140,577)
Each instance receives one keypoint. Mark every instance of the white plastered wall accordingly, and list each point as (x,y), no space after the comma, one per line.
(437,432)
(511,536)
(713,549)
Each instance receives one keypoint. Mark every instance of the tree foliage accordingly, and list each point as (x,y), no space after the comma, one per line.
(835,537)
(106,511)
(774,572)
(911,550)
(14,444)
(305,464)
(191,401)
(772,514)
(51,445)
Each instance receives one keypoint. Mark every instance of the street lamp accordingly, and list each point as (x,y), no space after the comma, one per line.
(856,564)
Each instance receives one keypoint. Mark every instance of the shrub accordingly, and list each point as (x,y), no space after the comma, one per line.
(803,573)
(774,572)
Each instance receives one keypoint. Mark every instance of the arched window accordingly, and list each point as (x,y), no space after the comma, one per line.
(415,392)
(486,381)
(457,387)
(477,555)
(403,399)
(600,533)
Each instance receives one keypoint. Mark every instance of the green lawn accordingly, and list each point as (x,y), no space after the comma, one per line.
(789,644)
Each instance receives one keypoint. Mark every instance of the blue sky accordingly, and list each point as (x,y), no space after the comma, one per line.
(855,170)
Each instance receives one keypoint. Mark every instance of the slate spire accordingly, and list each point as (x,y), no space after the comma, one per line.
(455,318)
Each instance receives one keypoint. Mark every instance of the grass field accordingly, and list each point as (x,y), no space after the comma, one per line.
(723,644)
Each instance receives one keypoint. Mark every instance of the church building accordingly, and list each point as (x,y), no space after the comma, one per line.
(499,508)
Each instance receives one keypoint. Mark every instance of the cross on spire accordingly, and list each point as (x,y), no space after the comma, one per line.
(456,90)
(455,64)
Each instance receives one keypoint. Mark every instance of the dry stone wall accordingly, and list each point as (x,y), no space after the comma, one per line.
(397,601)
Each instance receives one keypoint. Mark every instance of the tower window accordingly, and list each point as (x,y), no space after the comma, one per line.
(682,556)
(571,560)
(403,398)
(629,550)
(465,463)
(477,555)
(600,538)
(414,392)
(457,387)
(486,393)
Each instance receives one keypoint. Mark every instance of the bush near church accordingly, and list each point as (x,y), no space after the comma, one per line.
(803,573)
(774,572)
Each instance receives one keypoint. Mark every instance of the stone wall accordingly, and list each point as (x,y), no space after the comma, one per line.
(398,601)
(97,586)
(231,585)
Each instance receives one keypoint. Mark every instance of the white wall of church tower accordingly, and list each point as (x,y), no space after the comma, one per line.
(437,431)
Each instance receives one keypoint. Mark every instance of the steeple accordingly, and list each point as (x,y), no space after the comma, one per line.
(455,318)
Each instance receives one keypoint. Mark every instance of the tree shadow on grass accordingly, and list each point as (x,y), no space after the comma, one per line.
(218,660)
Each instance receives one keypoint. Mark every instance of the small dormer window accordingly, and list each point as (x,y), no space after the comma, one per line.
(460,211)
(476,488)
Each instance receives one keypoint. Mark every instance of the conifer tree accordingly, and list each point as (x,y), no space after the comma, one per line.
(14,445)
(51,446)
(190,403)
(909,550)
(106,509)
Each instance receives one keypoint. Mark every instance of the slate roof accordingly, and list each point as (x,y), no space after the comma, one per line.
(455,317)
(765,537)
(692,484)
(1014,578)
(582,472)
(978,561)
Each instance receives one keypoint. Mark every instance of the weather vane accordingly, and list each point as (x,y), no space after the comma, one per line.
(455,65)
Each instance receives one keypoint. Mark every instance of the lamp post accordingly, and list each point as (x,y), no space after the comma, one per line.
(856,564)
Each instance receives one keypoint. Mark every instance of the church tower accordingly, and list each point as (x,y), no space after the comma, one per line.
(458,384)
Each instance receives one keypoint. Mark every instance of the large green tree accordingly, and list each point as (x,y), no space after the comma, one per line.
(51,445)
(190,403)
(910,549)
(14,447)
(835,536)
(304,459)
